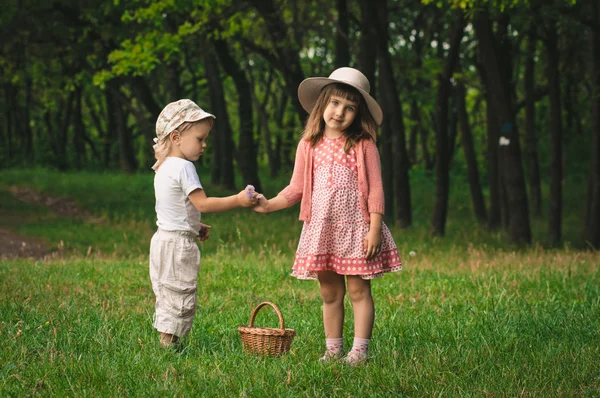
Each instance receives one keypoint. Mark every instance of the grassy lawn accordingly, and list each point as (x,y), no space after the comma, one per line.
(469,315)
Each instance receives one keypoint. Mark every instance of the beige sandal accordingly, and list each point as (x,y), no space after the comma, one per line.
(355,358)
(331,356)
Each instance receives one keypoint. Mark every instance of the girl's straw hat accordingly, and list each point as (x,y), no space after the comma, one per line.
(176,113)
(309,89)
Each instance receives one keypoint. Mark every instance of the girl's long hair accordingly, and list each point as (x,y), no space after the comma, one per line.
(363,126)
(162,148)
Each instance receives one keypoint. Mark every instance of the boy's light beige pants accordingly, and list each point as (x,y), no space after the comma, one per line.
(174,266)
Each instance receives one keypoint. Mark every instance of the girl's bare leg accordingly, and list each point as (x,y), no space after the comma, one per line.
(362,304)
(364,315)
(333,290)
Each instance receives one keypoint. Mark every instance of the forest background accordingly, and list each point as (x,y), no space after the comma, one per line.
(501,93)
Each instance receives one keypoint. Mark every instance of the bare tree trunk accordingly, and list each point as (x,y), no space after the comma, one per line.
(146,97)
(393,124)
(592,219)
(342,45)
(428,159)
(510,152)
(223,148)
(111,129)
(28,141)
(531,151)
(78,131)
(470,157)
(555,128)
(415,132)
(263,118)
(367,57)
(127,159)
(493,162)
(287,55)
(452,128)
(62,134)
(442,186)
(9,121)
(173,73)
(278,155)
(247,155)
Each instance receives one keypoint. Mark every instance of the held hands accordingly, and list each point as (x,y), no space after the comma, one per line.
(262,205)
(249,197)
(372,243)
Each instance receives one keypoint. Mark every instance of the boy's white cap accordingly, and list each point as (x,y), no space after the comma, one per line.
(310,89)
(176,113)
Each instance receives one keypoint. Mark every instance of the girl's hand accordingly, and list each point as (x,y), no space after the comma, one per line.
(246,200)
(262,205)
(372,243)
(204,232)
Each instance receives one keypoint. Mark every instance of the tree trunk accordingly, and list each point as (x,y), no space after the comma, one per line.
(592,219)
(111,129)
(428,159)
(415,132)
(452,128)
(493,162)
(78,132)
(9,122)
(342,45)
(393,125)
(62,134)
(531,152)
(144,95)
(28,142)
(247,156)
(173,73)
(555,128)
(277,163)
(442,186)
(470,157)
(500,88)
(127,160)
(286,49)
(223,148)
(387,162)
(367,56)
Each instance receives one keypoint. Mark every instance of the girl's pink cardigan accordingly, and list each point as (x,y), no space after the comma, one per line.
(370,187)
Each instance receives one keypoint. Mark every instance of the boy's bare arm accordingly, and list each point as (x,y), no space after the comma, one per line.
(205,204)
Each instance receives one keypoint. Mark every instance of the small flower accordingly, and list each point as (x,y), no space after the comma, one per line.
(249,191)
(412,253)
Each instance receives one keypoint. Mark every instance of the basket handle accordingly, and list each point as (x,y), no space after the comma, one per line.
(263,304)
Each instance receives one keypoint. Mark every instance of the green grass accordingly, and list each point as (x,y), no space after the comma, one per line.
(468,316)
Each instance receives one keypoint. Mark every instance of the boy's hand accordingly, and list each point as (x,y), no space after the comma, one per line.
(204,232)
(246,200)
(262,204)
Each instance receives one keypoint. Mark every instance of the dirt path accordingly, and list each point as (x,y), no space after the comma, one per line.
(16,246)
(13,245)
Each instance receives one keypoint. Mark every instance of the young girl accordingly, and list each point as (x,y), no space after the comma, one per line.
(338,178)
(182,129)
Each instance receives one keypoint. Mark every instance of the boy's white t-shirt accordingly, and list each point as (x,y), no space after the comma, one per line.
(174,180)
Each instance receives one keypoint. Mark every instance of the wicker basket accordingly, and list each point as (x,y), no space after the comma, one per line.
(266,341)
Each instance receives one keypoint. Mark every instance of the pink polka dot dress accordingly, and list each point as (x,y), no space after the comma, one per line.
(333,239)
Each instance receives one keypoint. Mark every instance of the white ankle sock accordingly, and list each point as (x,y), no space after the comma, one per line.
(361,345)
(334,345)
